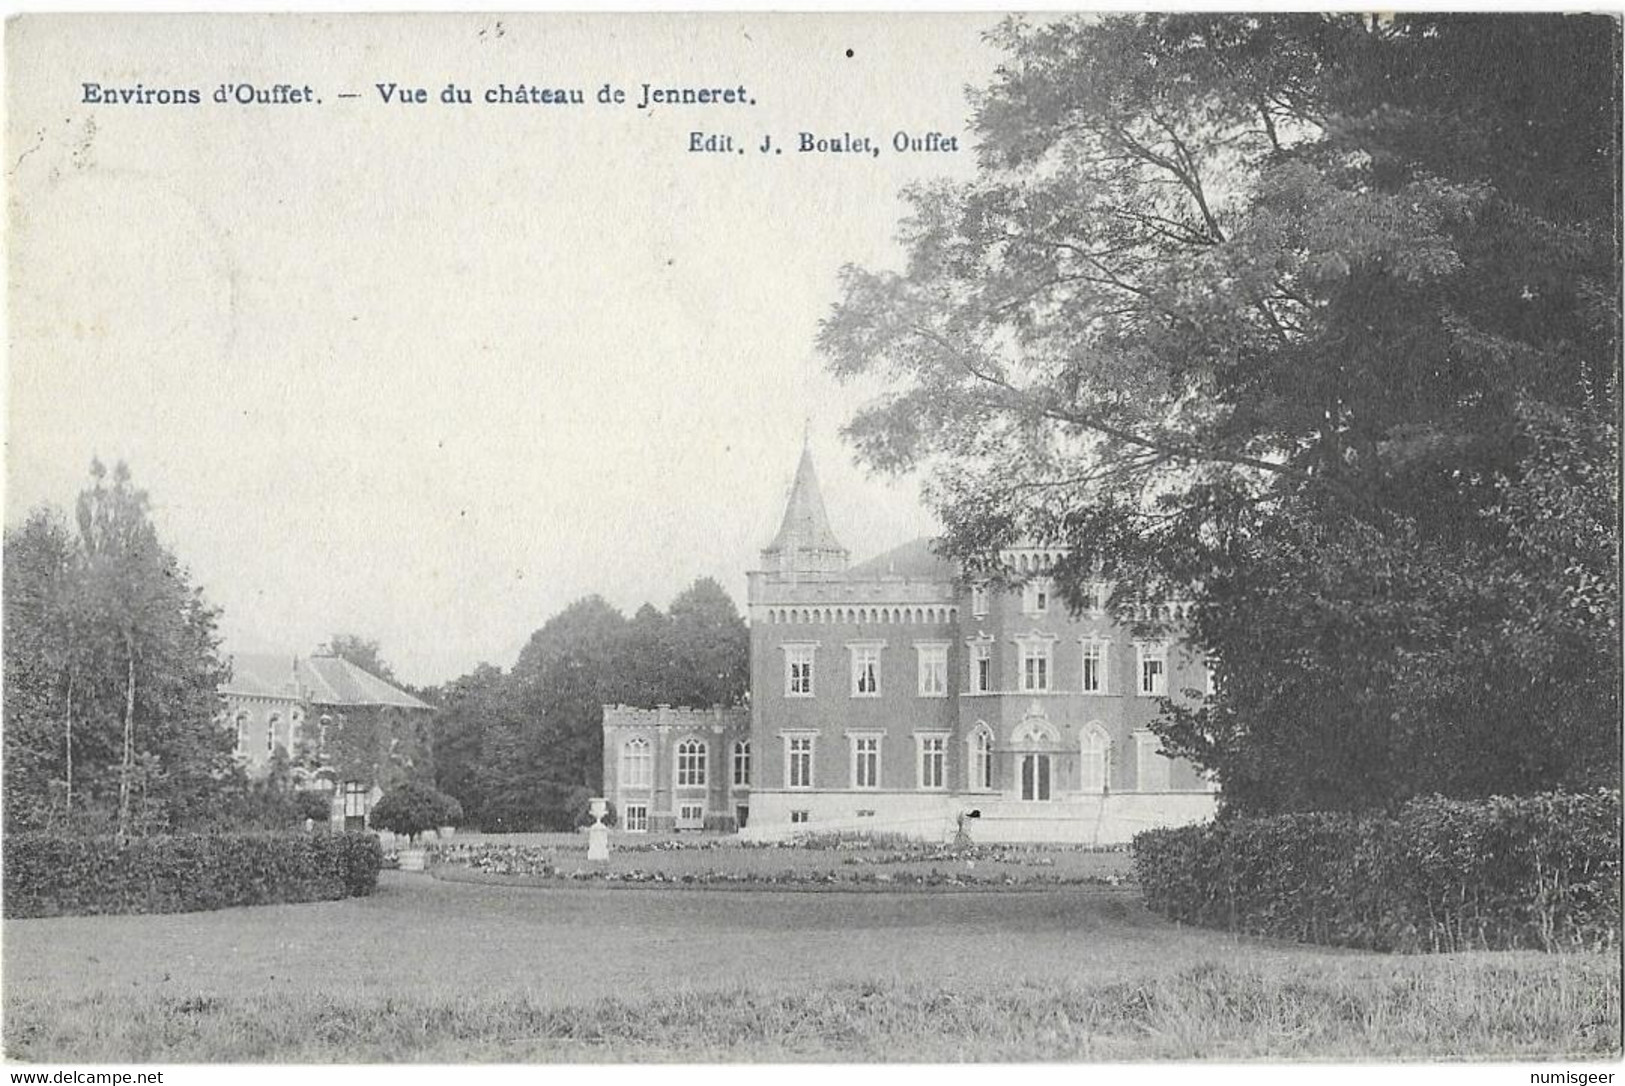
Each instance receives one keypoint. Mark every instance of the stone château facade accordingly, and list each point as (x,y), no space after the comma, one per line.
(897,696)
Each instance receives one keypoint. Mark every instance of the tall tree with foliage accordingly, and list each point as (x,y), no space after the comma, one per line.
(46,672)
(648,661)
(710,648)
(1309,319)
(568,671)
(116,662)
(469,708)
(524,750)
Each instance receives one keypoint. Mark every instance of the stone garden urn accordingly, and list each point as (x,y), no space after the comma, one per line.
(598,833)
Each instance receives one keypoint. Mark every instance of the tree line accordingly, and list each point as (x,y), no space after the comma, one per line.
(114,721)
(1311,320)
(112,668)
(523,749)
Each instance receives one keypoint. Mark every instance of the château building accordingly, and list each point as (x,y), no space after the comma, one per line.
(897,696)
(344,731)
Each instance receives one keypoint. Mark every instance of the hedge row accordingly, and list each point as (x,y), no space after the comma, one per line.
(58,875)
(1538,871)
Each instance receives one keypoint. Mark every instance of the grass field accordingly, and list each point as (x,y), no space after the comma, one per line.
(429,970)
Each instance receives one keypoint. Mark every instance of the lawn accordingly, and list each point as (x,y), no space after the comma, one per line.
(429,970)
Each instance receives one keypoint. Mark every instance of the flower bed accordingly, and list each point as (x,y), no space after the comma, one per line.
(934,866)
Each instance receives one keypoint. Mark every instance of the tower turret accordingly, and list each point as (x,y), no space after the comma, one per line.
(805,543)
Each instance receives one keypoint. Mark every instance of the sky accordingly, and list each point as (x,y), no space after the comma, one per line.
(429,373)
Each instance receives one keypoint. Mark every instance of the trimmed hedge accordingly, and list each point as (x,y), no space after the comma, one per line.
(1539,871)
(58,875)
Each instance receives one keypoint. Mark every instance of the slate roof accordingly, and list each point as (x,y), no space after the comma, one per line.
(323,680)
(806,523)
(914,561)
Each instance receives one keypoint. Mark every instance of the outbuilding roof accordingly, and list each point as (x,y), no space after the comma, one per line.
(322,680)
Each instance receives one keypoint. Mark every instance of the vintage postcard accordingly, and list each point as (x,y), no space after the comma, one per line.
(823,538)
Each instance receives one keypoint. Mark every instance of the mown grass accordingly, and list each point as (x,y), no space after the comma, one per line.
(427,970)
(1483,1007)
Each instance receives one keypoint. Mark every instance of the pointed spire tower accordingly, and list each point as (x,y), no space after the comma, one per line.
(805,543)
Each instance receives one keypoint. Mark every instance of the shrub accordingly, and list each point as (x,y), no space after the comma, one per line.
(413,808)
(313,806)
(60,875)
(1531,871)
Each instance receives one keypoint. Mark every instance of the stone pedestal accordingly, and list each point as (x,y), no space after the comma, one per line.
(598,833)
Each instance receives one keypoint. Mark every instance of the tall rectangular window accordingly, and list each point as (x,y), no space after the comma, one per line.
(981,668)
(1094,667)
(798,671)
(1035,597)
(1153,669)
(933,670)
(742,764)
(866,761)
(355,799)
(637,761)
(932,761)
(798,756)
(1035,666)
(691,758)
(978,600)
(865,671)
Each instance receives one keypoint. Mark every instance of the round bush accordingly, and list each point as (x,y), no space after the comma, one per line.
(413,808)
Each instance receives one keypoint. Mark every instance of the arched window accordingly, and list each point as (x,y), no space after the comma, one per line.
(242,730)
(742,763)
(636,764)
(1094,749)
(690,764)
(980,759)
(270,732)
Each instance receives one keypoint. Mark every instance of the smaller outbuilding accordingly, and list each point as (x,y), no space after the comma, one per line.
(339,729)
(677,769)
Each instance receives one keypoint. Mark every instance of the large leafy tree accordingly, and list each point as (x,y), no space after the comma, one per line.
(548,761)
(710,648)
(469,708)
(524,750)
(112,670)
(1309,319)
(648,658)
